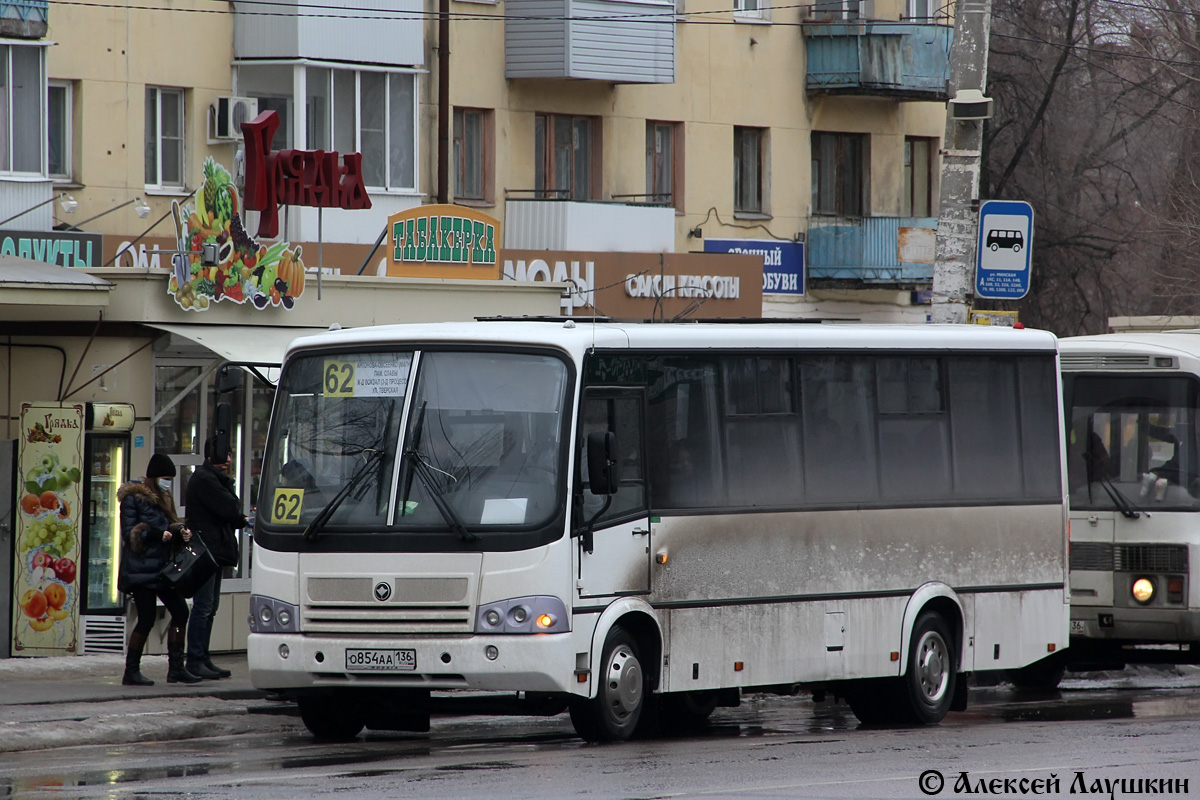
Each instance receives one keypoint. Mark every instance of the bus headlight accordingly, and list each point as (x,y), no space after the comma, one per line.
(268,615)
(537,614)
(1143,590)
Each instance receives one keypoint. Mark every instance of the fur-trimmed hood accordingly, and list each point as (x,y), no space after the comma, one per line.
(144,493)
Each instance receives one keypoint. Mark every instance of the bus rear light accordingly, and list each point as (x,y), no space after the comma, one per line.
(1143,590)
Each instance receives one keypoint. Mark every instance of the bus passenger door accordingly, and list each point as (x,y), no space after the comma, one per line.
(618,559)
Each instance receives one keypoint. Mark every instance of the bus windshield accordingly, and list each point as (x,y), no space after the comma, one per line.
(1137,436)
(482,449)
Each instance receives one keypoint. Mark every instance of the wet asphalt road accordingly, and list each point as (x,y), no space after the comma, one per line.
(1143,725)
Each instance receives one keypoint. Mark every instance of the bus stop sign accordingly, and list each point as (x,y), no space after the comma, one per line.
(1003,252)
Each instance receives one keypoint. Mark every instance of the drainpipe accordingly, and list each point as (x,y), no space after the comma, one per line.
(443,164)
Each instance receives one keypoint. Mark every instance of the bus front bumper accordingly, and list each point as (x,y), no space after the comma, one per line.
(529,663)
(1135,625)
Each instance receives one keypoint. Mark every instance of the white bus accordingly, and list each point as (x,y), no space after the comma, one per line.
(639,522)
(1134,476)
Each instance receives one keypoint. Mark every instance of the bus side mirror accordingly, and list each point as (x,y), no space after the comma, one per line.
(228,378)
(222,422)
(603,475)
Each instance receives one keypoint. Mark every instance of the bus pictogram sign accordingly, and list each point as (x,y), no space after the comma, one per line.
(1005,243)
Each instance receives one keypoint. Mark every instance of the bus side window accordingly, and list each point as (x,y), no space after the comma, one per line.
(623,416)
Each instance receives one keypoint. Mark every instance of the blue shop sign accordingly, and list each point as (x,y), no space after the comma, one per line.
(783,262)
(54,247)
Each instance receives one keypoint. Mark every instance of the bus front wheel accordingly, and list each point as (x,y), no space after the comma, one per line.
(613,714)
(330,718)
(928,684)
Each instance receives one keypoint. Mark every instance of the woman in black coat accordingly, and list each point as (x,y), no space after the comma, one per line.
(149,530)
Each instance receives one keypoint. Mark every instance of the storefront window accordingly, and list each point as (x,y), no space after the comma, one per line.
(176,430)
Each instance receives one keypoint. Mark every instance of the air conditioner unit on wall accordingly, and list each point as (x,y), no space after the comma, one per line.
(230,113)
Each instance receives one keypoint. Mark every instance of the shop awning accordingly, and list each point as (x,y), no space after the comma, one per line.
(25,282)
(264,344)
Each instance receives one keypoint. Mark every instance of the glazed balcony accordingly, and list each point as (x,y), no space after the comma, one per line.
(884,252)
(903,61)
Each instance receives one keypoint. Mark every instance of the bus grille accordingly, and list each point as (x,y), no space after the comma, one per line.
(1151,558)
(1092,556)
(1093,361)
(1105,557)
(350,605)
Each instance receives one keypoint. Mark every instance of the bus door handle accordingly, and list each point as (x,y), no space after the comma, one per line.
(640,532)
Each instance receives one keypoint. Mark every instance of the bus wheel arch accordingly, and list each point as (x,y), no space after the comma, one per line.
(627,654)
(932,655)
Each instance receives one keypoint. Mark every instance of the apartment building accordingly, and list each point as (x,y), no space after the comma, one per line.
(640,125)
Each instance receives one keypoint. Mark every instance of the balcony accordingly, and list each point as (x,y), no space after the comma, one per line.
(883,252)
(373,31)
(618,41)
(902,61)
(588,226)
(24,19)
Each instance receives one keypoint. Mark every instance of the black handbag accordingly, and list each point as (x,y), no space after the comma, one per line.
(189,568)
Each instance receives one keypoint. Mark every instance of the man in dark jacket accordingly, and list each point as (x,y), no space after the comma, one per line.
(213,511)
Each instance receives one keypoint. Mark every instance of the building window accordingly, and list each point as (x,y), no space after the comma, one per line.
(749,146)
(386,108)
(566,154)
(838,174)
(60,130)
(345,110)
(664,163)
(918,176)
(164,137)
(836,9)
(22,83)
(748,8)
(473,154)
(921,9)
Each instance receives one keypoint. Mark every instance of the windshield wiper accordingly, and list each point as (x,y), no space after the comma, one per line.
(424,472)
(375,454)
(314,528)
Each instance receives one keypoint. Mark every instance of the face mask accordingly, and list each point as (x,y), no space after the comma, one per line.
(164,484)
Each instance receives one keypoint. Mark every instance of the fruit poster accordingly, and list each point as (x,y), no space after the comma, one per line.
(45,589)
(266,276)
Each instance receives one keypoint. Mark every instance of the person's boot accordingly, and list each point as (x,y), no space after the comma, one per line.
(176,671)
(201,669)
(133,662)
(221,672)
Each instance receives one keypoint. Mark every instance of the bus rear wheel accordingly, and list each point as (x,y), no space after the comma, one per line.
(331,718)
(612,716)
(928,684)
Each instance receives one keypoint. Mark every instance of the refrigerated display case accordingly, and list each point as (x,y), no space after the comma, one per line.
(106,460)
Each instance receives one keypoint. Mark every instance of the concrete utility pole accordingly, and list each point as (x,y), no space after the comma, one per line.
(954,265)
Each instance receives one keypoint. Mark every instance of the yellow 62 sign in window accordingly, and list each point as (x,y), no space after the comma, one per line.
(338,378)
(285,509)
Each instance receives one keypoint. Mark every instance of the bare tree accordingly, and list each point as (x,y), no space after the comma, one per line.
(1089,124)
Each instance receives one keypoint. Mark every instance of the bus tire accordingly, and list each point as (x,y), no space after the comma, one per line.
(612,716)
(928,685)
(330,718)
